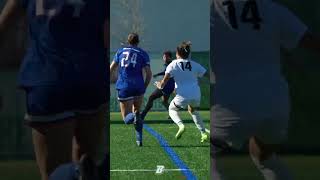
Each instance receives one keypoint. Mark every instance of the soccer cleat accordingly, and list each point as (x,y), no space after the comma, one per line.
(139,143)
(180,131)
(88,169)
(204,137)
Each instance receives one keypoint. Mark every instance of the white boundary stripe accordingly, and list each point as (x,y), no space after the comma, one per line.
(153,170)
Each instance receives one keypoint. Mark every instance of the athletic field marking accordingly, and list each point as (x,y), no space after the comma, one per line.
(174,157)
(154,170)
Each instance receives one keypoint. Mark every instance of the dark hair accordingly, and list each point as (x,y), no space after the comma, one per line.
(133,39)
(184,49)
(168,53)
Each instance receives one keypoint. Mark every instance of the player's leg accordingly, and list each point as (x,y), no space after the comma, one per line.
(52,127)
(52,146)
(84,170)
(137,103)
(90,132)
(165,101)
(174,107)
(155,95)
(126,99)
(198,121)
(91,105)
(266,160)
(138,123)
(126,111)
(264,145)
(227,130)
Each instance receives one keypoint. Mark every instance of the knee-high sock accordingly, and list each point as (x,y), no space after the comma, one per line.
(129,118)
(174,114)
(198,121)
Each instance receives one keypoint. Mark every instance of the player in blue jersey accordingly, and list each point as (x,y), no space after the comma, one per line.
(165,92)
(82,170)
(64,76)
(132,62)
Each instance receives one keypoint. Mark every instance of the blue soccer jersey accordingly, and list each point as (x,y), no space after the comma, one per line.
(131,61)
(66,43)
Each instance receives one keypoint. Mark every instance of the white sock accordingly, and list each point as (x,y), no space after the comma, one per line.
(272,168)
(198,121)
(174,114)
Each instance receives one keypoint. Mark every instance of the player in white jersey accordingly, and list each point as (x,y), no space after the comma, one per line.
(251,101)
(185,73)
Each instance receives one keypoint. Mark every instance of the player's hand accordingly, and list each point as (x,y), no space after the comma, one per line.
(157,84)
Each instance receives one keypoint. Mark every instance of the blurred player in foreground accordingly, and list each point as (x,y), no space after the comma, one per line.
(167,89)
(85,169)
(64,77)
(251,101)
(132,62)
(185,73)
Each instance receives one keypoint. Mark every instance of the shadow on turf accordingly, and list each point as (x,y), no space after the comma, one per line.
(159,122)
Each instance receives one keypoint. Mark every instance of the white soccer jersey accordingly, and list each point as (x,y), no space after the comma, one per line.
(247,36)
(186,73)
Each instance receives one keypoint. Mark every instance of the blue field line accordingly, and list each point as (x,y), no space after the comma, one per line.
(173,155)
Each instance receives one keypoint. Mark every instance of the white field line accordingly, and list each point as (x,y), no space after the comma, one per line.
(153,170)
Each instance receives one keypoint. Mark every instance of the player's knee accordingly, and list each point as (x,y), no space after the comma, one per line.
(192,110)
(259,150)
(152,97)
(173,107)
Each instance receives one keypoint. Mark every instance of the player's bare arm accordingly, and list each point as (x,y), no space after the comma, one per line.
(148,74)
(8,14)
(113,67)
(205,77)
(113,74)
(311,42)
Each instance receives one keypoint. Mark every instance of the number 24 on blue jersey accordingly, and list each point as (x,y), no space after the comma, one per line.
(126,61)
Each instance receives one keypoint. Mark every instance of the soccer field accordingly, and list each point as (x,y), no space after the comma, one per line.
(236,167)
(182,158)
